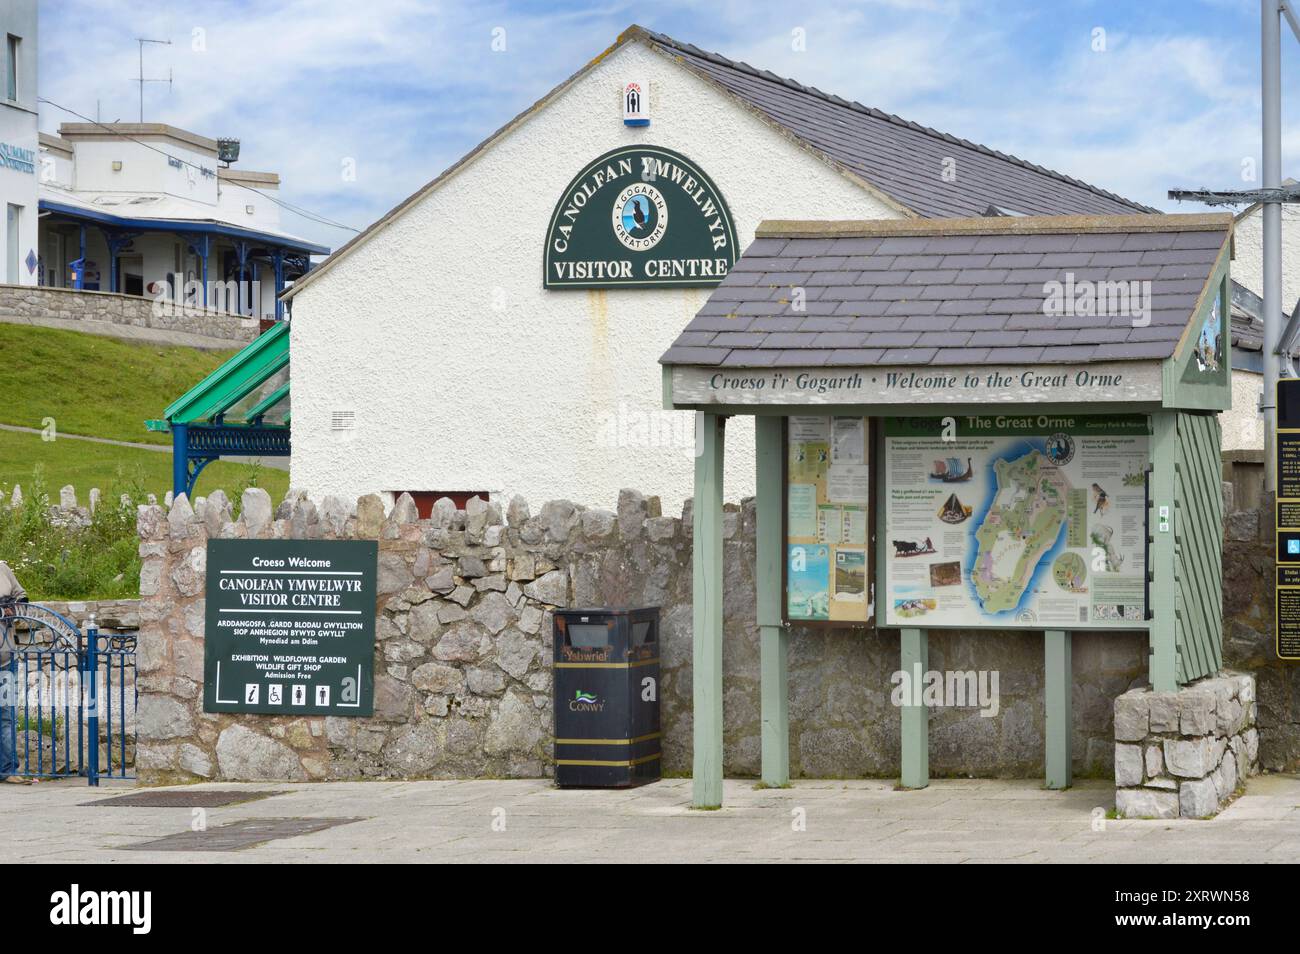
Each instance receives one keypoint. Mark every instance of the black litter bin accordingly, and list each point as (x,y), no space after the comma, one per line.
(606,697)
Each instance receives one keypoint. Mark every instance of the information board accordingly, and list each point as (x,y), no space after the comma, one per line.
(826,518)
(290,627)
(1287,452)
(1015,520)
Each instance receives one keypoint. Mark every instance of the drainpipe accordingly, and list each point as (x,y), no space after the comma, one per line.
(80,283)
(277,258)
(180,459)
(200,247)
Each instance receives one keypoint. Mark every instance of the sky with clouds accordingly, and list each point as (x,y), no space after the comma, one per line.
(405,87)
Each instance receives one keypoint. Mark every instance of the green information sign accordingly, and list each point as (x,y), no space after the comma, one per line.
(290,627)
(1287,450)
(639,217)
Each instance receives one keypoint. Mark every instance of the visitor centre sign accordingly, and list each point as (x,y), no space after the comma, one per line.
(639,217)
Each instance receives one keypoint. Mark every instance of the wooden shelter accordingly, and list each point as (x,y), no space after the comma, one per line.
(1060,375)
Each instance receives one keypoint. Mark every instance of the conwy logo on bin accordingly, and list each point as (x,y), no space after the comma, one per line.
(585,702)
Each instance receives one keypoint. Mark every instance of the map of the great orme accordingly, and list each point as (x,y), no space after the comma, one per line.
(1015,521)
(1022,524)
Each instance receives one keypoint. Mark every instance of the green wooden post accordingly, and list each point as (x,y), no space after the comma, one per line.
(1162,666)
(915,659)
(1058,696)
(767,579)
(707,600)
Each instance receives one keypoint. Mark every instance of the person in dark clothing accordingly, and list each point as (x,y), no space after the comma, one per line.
(11,594)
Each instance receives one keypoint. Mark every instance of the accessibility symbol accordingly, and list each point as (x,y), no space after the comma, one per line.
(274,694)
(322,695)
(299,695)
(252,690)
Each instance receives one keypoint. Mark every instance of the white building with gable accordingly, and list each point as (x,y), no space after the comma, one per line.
(499,332)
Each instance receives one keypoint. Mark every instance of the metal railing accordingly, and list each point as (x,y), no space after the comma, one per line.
(68,698)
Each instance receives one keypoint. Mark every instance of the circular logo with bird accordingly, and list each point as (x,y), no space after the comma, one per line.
(1060,449)
(640,216)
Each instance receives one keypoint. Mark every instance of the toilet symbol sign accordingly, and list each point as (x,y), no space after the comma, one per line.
(290,627)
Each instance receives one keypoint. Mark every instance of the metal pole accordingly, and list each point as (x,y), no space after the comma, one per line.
(278,260)
(81,261)
(180,460)
(1271,102)
(92,715)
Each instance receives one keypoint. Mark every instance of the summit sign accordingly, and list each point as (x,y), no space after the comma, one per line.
(639,217)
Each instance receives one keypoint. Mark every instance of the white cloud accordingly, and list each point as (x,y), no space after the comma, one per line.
(405,87)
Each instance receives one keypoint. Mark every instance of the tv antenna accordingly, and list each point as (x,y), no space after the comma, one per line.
(142,79)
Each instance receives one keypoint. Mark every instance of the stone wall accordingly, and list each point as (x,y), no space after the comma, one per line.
(1248,637)
(33,301)
(463,652)
(1183,754)
(113,617)
(69,511)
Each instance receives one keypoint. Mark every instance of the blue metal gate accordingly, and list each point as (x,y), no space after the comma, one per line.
(67,698)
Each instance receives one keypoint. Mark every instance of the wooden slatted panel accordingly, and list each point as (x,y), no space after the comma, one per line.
(1198,529)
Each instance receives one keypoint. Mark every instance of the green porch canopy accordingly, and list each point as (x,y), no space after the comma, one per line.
(207,423)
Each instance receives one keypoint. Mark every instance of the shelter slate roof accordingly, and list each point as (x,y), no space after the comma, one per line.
(951,292)
(902,159)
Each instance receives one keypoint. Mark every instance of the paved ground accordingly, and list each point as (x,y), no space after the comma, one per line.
(951,821)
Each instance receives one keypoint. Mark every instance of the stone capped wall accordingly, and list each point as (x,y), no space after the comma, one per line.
(1184,754)
(69,512)
(463,651)
(31,301)
(462,681)
(112,617)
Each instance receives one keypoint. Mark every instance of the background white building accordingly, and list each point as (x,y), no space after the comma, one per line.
(19,162)
(129,206)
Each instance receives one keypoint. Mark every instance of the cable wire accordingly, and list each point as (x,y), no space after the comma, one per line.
(311,216)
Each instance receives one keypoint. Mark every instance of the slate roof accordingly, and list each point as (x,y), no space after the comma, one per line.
(950,292)
(902,159)
(1248,328)
(1247,320)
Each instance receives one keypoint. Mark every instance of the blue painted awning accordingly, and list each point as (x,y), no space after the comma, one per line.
(204,226)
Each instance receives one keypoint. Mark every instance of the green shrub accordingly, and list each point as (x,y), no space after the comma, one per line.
(99,561)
